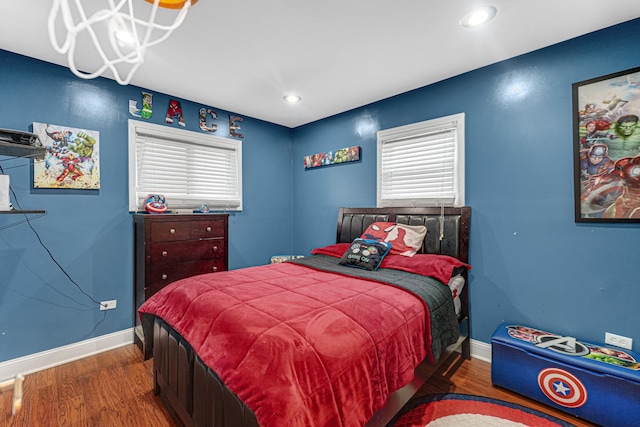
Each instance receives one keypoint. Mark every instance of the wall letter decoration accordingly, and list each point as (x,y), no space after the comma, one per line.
(234,127)
(146,112)
(203,120)
(175,111)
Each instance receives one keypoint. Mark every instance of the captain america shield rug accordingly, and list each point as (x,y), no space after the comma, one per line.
(462,410)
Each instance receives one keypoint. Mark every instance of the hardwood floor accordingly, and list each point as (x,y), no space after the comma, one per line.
(115,388)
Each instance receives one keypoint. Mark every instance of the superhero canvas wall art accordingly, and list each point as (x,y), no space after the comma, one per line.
(72,158)
(343,155)
(606,126)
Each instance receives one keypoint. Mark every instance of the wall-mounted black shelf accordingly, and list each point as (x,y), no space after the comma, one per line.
(21,150)
(28,216)
(14,211)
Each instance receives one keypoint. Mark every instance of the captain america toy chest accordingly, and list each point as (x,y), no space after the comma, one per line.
(600,384)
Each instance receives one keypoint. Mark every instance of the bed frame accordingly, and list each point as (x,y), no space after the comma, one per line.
(196,396)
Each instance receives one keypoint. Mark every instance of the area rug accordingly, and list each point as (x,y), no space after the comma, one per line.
(463,410)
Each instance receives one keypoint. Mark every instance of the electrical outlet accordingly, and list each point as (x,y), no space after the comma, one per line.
(618,340)
(108,305)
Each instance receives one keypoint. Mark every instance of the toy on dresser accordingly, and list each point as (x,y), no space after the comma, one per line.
(155,204)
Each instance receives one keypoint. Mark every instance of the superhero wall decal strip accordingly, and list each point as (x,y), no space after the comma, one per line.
(343,155)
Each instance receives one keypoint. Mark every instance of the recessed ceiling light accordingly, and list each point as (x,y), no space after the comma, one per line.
(124,38)
(292,99)
(478,16)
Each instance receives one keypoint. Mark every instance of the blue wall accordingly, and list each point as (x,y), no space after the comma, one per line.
(90,233)
(532,264)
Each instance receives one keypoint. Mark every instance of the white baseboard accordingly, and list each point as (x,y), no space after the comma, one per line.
(58,356)
(481,350)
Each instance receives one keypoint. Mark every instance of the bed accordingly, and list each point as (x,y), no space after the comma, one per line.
(283,348)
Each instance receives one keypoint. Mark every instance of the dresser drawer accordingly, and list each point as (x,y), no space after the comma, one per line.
(168,231)
(170,252)
(160,276)
(207,229)
(170,247)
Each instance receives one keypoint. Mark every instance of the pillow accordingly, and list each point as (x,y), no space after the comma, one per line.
(456,284)
(406,240)
(440,267)
(365,254)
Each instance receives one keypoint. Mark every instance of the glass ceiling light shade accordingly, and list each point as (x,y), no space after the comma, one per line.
(478,16)
(128,36)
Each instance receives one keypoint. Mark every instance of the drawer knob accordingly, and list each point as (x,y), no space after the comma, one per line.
(214,268)
(208,228)
(164,253)
(172,231)
(215,248)
(164,277)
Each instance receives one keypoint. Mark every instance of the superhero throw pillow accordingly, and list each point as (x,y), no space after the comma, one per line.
(365,254)
(406,239)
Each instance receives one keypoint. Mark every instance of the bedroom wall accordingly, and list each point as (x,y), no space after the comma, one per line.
(90,233)
(532,264)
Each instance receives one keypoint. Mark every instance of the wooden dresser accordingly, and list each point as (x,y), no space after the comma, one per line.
(169,247)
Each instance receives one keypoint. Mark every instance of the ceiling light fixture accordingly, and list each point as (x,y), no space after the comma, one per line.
(128,35)
(292,99)
(478,16)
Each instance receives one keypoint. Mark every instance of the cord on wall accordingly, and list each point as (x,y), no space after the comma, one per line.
(47,249)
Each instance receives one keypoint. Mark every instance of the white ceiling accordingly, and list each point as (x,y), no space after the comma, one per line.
(244,55)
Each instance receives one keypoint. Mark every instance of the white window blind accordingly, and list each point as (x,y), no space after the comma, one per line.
(189,169)
(422,164)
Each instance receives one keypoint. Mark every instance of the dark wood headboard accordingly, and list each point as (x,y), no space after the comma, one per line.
(455,221)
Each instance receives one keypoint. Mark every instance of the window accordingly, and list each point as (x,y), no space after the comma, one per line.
(188,168)
(422,164)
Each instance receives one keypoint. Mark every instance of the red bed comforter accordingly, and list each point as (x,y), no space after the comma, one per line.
(300,347)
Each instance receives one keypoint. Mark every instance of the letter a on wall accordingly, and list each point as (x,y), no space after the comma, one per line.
(174,112)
